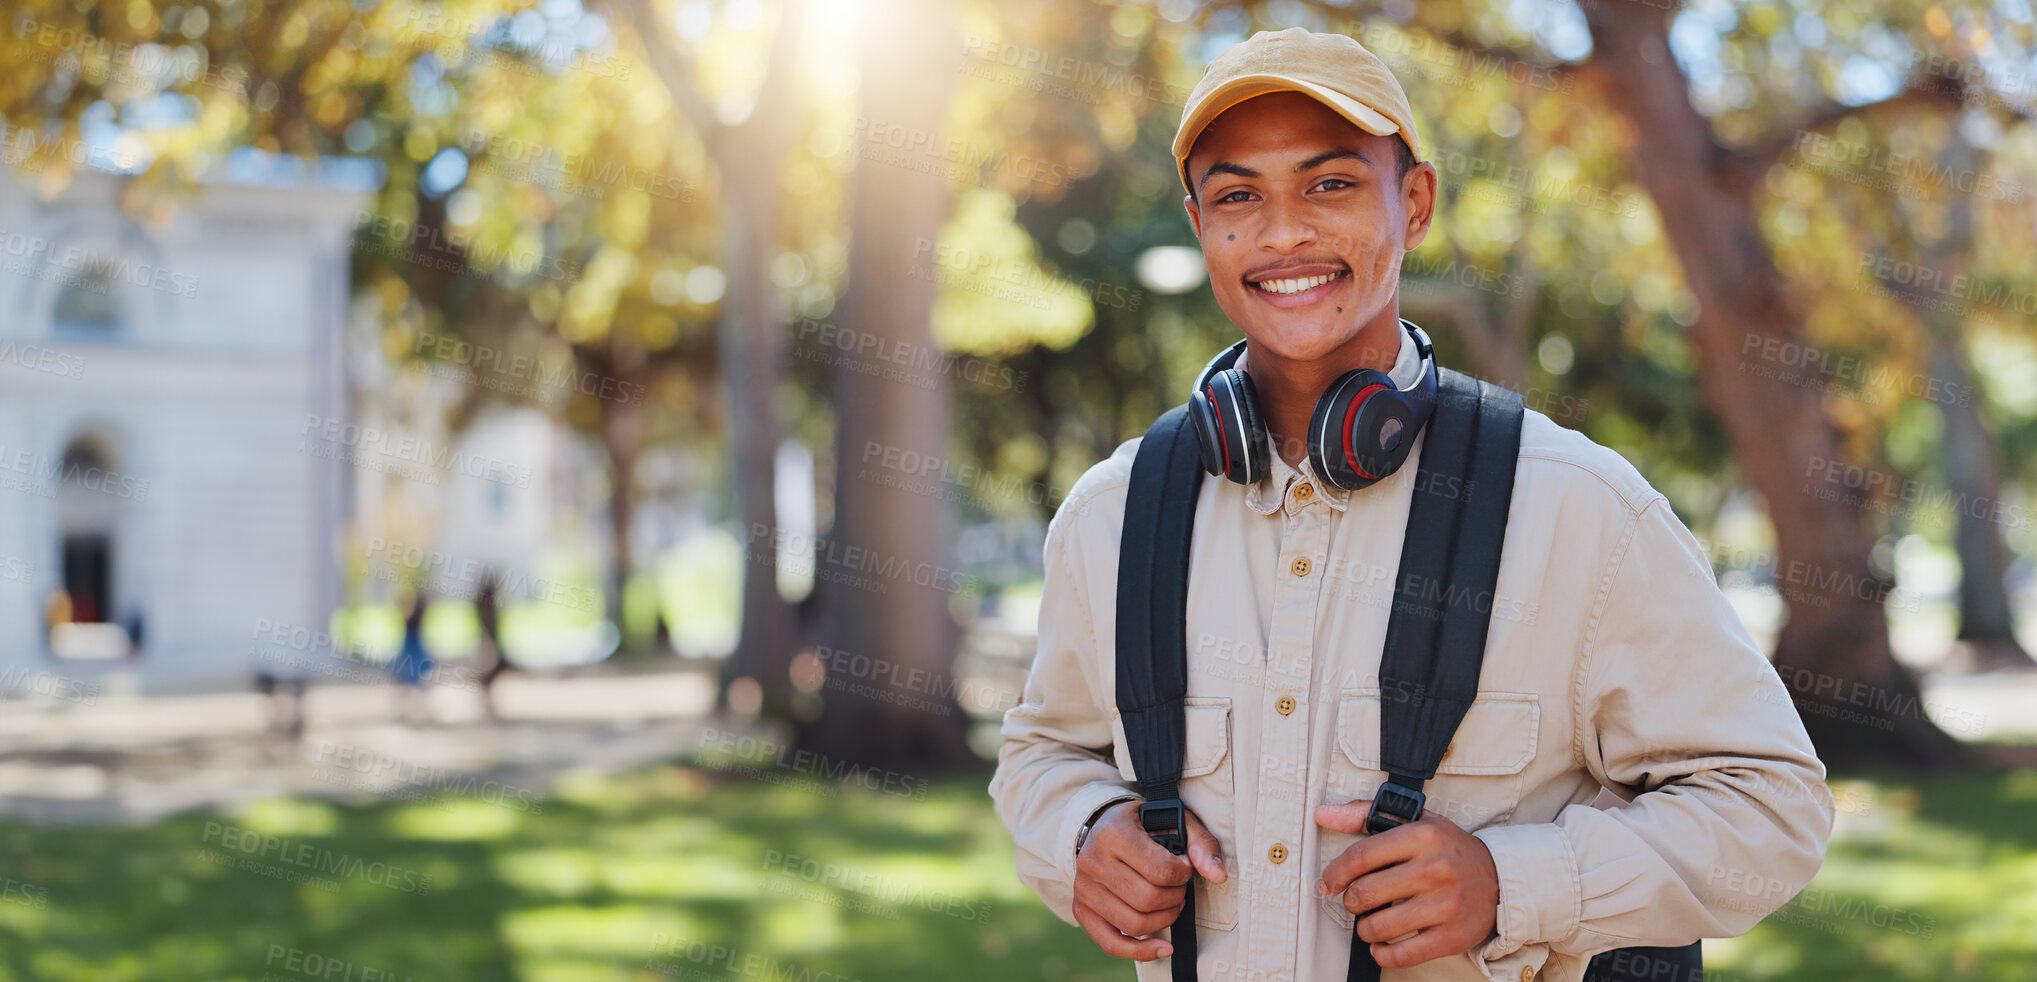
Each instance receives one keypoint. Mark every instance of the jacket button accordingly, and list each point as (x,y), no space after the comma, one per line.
(1447,751)
(1305,491)
(1527,973)
(1301,566)
(1279,855)
(1285,705)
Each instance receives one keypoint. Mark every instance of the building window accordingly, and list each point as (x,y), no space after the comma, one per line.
(86,304)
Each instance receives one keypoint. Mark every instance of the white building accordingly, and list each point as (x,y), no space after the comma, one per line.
(161,388)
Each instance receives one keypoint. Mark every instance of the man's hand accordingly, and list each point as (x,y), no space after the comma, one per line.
(1128,886)
(1443,878)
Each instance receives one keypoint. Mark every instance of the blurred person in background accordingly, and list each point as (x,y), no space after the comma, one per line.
(488,611)
(412,666)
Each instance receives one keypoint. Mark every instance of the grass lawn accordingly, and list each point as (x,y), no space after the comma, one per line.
(616,878)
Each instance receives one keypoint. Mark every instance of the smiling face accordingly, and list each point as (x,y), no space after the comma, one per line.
(1303,221)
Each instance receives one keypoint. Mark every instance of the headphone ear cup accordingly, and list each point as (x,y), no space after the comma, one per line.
(1209,433)
(1225,414)
(1318,428)
(1257,460)
(1358,418)
(1383,433)
(1227,422)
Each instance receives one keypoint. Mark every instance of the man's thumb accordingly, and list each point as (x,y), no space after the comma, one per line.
(1348,818)
(1204,852)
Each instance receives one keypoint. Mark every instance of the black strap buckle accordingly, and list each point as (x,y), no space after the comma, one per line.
(1167,822)
(1394,806)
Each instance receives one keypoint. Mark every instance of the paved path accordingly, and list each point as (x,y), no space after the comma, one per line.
(139,759)
(1998,706)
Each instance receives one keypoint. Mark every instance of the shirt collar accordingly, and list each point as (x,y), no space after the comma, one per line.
(1277,489)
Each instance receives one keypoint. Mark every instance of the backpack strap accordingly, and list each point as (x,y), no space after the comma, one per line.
(1152,640)
(1443,594)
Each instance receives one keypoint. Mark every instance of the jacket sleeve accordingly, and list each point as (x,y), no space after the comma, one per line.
(1054,767)
(1680,712)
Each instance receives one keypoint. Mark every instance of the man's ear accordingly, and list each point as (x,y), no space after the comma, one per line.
(1418,199)
(1194,214)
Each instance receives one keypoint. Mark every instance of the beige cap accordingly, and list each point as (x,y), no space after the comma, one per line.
(1334,69)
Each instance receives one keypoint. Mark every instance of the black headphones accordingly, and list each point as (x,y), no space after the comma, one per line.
(1362,430)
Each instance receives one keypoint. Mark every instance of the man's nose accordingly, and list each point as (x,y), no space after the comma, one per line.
(1288,227)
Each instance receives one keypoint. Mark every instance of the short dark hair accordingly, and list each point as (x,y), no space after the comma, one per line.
(1403,157)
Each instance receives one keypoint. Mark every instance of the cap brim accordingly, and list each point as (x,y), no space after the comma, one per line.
(1246,87)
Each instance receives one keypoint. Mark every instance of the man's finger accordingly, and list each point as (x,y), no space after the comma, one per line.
(1422,947)
(1153,862)
(1381,887)
(1400,920)
(1132,919)
(1205,852)
(1114,943)
(1139,893)
(1371,853)
(1348,818)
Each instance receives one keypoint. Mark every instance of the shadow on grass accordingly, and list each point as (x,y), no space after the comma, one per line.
(170,901)
(685,871)
(671,871)
(1998,807)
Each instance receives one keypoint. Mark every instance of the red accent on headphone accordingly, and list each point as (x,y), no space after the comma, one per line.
(1221,442)
(1351,418)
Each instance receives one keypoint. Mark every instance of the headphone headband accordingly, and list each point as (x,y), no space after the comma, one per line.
(1223,409)
(1424,351)
(1224,359)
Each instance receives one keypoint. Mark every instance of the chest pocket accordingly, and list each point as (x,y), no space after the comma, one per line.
(1478,783)
(1208,789)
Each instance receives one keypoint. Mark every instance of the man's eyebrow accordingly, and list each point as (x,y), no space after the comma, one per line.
(1224,167)
(1328,155)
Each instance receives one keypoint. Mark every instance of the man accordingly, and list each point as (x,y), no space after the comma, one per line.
(1612,663)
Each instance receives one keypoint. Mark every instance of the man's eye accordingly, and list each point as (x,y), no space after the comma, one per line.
(1333,184)
(1232,196)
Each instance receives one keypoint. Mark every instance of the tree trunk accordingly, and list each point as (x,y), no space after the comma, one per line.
(1859,704)
(1973,472)
(886,581)
(1987,638)
(753,351)
(753,339)
(622,436)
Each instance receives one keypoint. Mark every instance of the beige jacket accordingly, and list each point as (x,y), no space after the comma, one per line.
(1613,662)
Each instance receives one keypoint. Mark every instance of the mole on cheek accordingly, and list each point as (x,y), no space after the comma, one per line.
(1233,237)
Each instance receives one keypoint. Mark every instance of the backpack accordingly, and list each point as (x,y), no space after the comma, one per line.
(1435,639)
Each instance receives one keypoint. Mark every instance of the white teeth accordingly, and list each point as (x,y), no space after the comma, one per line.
(1295,286)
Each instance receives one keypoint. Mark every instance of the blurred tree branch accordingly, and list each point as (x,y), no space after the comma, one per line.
(676,68)
(1742,170)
